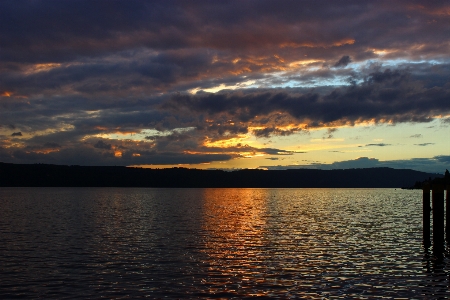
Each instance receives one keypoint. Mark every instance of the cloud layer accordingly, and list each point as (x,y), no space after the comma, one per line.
(176,82)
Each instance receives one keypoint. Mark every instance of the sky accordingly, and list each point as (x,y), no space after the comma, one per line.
(226,84)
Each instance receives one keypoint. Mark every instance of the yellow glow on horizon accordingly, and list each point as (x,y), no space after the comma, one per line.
(319,147)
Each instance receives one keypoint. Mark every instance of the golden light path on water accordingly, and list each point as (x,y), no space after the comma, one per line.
(215,243)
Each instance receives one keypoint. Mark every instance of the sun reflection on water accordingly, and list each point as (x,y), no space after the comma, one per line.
(216,243)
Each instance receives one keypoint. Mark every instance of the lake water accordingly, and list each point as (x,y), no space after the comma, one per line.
(131,243)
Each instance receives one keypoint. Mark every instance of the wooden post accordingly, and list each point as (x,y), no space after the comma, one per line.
(447,220)
(437,197)
(426,216)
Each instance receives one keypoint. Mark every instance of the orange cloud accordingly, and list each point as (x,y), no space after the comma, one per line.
(340,43)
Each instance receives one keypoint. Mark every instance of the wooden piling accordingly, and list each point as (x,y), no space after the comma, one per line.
(437,198)
(447,216)
(426,216)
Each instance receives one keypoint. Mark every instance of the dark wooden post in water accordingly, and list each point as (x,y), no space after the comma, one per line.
(437,197)
(426,216)
(447,220)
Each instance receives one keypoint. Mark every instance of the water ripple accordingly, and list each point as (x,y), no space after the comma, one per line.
(96,243)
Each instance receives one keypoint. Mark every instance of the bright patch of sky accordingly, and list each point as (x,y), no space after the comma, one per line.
(141,135)
(222,86)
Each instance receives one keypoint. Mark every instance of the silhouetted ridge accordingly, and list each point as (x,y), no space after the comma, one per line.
(89,176)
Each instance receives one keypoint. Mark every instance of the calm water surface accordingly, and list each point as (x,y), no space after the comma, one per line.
(215,243)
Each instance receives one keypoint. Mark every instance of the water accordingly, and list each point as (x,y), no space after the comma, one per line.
(96,243)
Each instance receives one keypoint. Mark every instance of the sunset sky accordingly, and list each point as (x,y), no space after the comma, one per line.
(226,84)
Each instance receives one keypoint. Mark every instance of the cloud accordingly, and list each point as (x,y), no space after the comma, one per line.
(424,144)
(417,135)
(59,32)
(443,158)
(85,80)
(436,164)
(102,145)
(344,61)
(329,134)
(377,145)
(384,96)
(269,131)
(273,151)
(84,155)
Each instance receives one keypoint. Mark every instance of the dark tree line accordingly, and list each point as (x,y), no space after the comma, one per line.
(89,176)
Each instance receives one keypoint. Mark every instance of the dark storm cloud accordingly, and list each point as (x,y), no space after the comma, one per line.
(227,128)
(389,95)
(121,48)
(269,131)
(65,30)
(121,76)
(52,145)
(176,141)
(84,114)
(102,145)
(16,134)
(344,61)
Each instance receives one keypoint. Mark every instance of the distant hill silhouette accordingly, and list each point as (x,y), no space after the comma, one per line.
(36,175)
